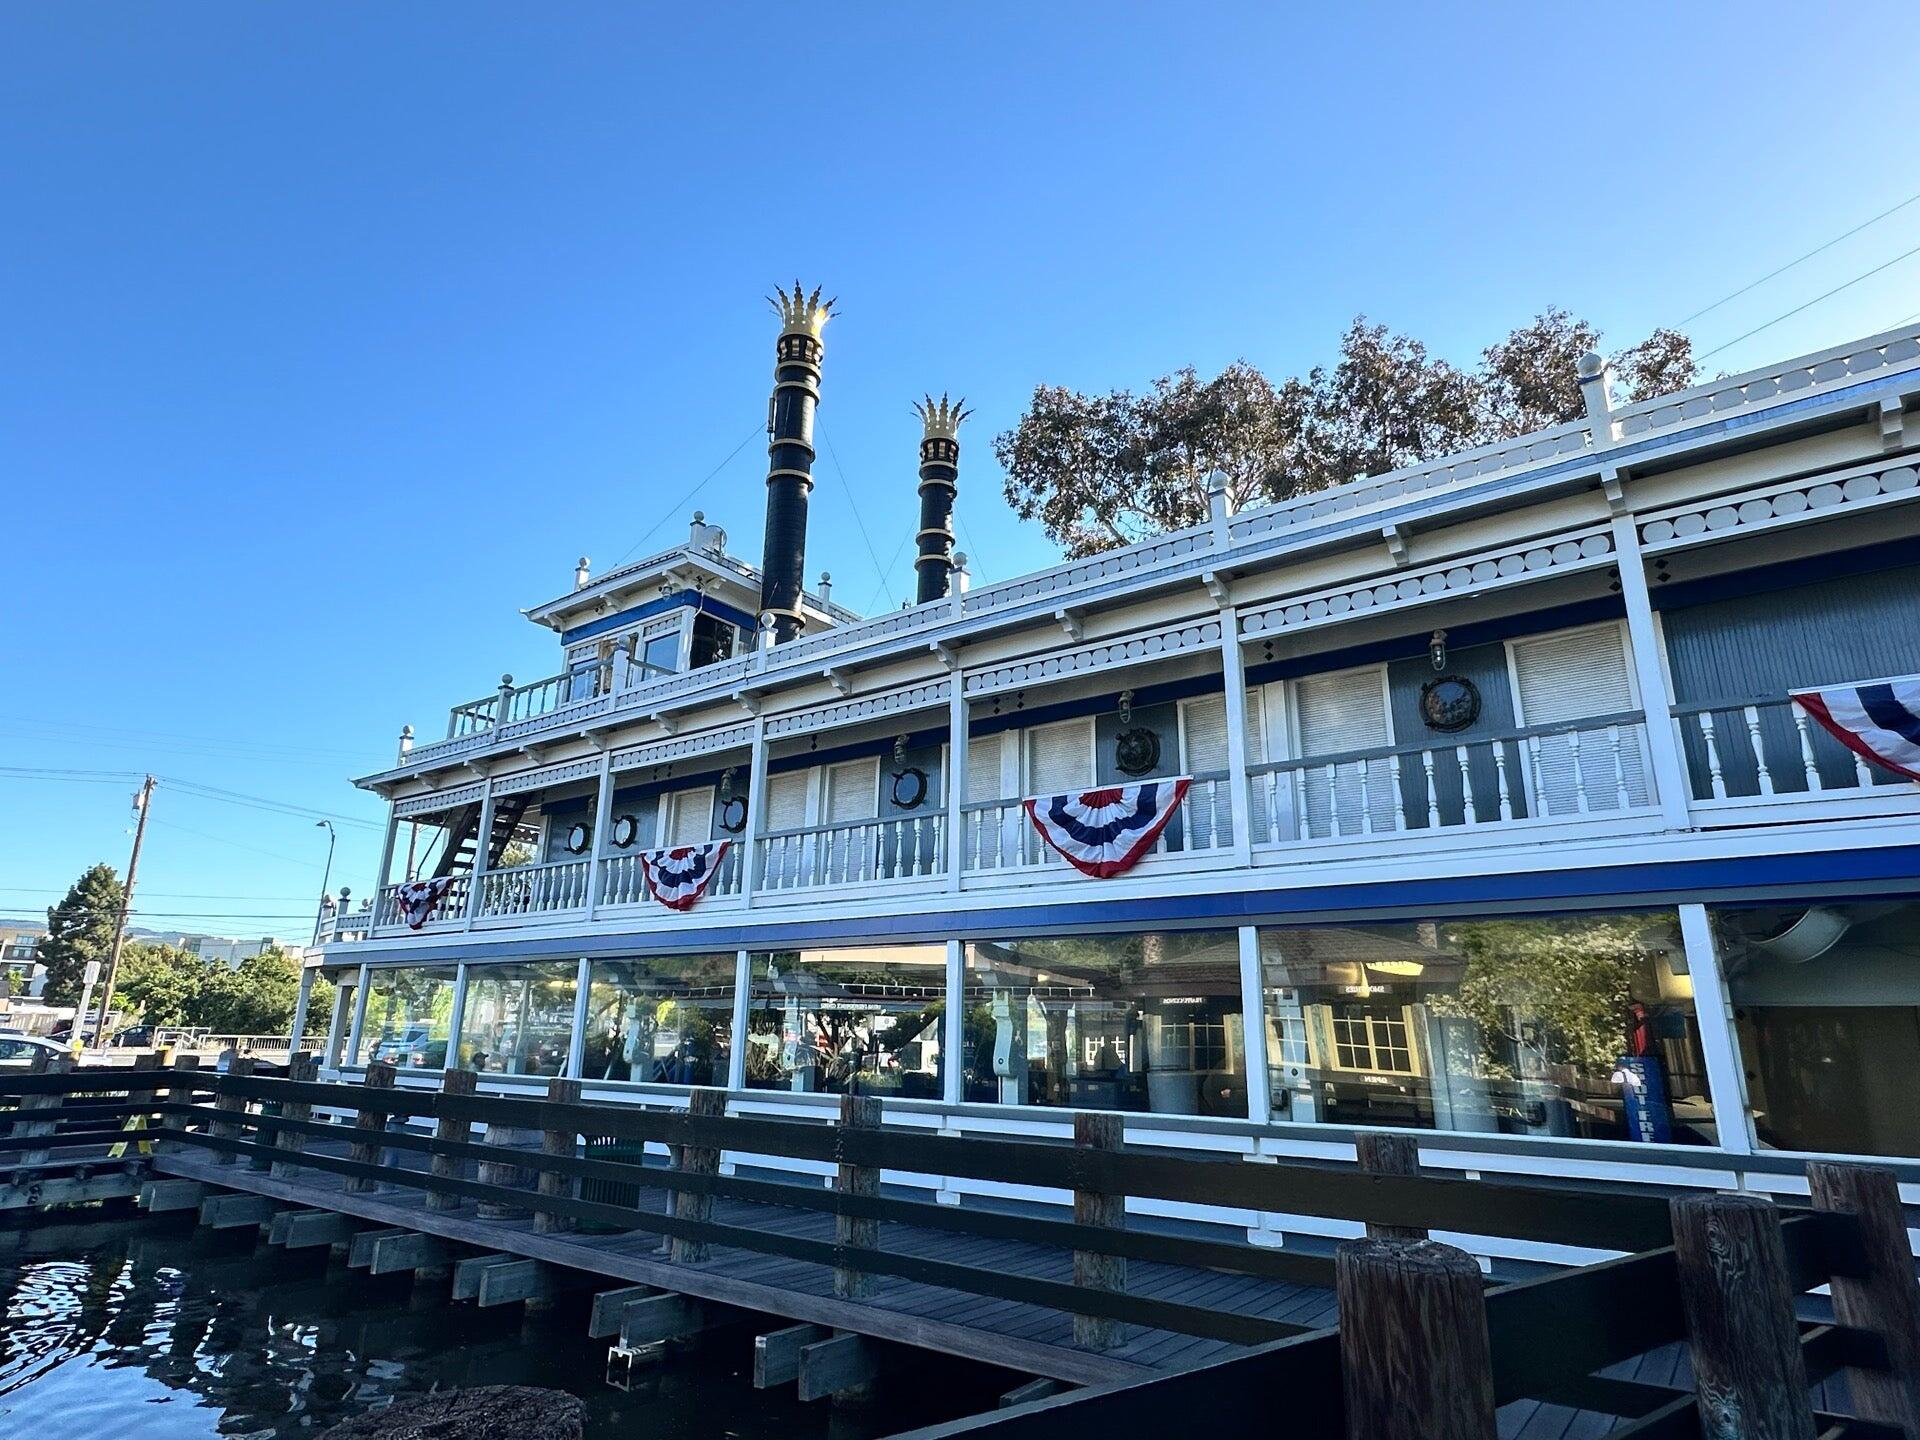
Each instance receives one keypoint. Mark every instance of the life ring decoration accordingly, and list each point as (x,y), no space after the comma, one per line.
(626,830)
(733,814)
(579,837)
(910,788)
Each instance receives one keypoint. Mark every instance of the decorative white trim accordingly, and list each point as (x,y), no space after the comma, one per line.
(662,752)
(1194,636)
(868,707)
(1789,502)
(546,775)
(439,800)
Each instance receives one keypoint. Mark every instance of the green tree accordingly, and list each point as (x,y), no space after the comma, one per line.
(162,984)
(80,928)
(258,998)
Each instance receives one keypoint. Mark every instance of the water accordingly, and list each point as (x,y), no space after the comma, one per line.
(155,1330)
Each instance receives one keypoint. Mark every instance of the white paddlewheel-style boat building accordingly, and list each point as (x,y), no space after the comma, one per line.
(1501,826)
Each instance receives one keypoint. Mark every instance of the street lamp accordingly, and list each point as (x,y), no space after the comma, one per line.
(326,876)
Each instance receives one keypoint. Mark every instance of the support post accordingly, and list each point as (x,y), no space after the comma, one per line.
(1750,1377)
(557,1141)
(455,1131)
(857,1113)
(1385,1154)
(577,1041)
(231,1106)
(1098,1131)
(705,1103)
(302,1068)
(297,1031)
(507,1173)
(737,1032)
(1253,1027)
(958,725)
(953,1041)
(1886,1299)
(1233,675)
(1713,1011)
(483,835)
(368,1126)
(43,1063)
(358,1028)
(602,818)
(1415,1360)
(756,807)
(457,1015)
(1643,640)
(385,872)
(179,1095)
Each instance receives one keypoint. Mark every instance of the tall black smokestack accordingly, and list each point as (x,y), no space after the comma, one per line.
(939,483)
(796,391)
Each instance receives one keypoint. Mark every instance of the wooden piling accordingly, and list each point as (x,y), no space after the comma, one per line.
(304,1068)
(1886,1299)
(1092,1270)
(690,1159)
(558,1142)
(179,1097)
(1751,1380)
(228,1107)
(857,1113)
(447,1128)
(1415,1360)
(42,1063)
(370,1124)
(1386,1154)
(509,1174)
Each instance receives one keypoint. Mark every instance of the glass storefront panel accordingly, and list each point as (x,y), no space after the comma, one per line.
(1826,1005)
(1575,1025)
(1143,1022)
(518,1019)
(408,1011)
(849,1022)
(666,1019)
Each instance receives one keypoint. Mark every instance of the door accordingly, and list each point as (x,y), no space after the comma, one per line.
(1334,716)
(1559,680)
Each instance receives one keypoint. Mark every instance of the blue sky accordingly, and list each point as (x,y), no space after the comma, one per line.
(331,335)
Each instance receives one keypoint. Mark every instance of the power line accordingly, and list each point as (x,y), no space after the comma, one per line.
(154,894)
(1828,245)
(854,506)
(681,503)
(1788,315)
(263,802)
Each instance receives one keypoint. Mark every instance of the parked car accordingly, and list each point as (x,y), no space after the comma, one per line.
(134,1035)
(413,1046)
(17,1051)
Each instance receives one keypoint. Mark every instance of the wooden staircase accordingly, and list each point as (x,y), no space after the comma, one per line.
(463,837)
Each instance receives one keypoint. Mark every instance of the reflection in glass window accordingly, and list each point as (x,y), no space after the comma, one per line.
(518,1019)
(1826,1003)
(1577,1025)
(407,1015)
(1108,1022)
(849,1022)
(666,1019)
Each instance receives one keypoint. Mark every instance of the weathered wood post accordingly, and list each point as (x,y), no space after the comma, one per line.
(1415,1360)
(42,1063)
(1095,1131)
(370,1124)
(302,1069)
(227,1106)
(557,1140)
(1751,1380)
(691,1159)
(179,1096)
(1886,1299)
(1390,1155)
(139,1097)
(857,1113)
(455,1130)
(506,1173)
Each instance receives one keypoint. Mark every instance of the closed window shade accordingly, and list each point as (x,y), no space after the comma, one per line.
(690,817)
(787,801)
(850,792)
(983,768)
(1204,734)
(1563,679)
(1339,714)
(1060,758)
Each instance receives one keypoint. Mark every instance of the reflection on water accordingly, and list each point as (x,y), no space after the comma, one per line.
(154,1330)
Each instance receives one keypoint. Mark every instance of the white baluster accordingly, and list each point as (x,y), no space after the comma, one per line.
(1538,802)
(1333,799)
(1366,797)
(1302,817)
(1399,800)
(1580,804)
(1470,814)
(1759,750)
(1716,779)
(1807,762)
(1500,779)
(1622,796)
(1861,774)
(1433,791)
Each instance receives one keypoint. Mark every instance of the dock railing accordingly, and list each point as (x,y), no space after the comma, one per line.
(1428,1347)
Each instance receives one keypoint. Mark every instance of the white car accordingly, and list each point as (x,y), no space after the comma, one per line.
(17,1051)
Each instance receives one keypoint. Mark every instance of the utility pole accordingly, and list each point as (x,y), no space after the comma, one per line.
(143,802)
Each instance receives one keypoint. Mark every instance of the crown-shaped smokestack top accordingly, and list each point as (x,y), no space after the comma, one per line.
(941,418)
(801,313)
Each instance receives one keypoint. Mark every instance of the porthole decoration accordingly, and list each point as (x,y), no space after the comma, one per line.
(1449,703)
(578,838)
(626,830)
(910,788)
(733,815)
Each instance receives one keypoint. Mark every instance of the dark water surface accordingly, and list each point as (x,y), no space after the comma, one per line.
(154,1328)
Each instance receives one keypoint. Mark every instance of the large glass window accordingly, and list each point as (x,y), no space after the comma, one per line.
(1826,1002)
(666,1019)
(518,1019)
(408,1011)
(849,1022)
(1579,1025)
(1145,1022)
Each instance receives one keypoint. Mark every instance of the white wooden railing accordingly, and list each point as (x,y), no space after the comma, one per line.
(998,836)
(533,889)
(452,906)
(622,883)
(852,852)
(1767,746)
(512,703)
(1584,767)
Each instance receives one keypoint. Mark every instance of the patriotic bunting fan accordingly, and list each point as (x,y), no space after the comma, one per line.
(1103,832)
(420,898)
(1879,720)
(679,876)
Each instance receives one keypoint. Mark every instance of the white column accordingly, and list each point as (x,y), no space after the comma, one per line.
(756,810)
(1663,745)
(386,853)
(577,1045)
(456,1016)
(299,1027)
(954,1033)
(1233,673)
(1253,1017)
(602,817)
(359,1019)
(956,774)
(737,1048)
(337,1028)
(1713,1008)
(482,842)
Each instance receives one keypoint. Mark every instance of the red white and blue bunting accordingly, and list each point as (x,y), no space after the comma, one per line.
(678,877)
(418,899)
(1103,832)
(1879,720)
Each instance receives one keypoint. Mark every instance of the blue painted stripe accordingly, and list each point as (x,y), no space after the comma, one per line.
(682,600)
(1831,874)
(1888,713)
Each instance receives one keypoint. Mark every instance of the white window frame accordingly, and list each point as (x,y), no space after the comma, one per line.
(1619,627)
(824,784)
(663,821)
(1026,749)
(1295,747)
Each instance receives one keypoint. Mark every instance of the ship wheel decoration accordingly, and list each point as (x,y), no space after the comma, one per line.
(1136,750)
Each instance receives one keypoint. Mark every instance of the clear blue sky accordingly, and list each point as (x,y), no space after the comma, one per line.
(330,335)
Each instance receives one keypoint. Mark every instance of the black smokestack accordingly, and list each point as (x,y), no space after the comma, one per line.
(939,483)
(796,392)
